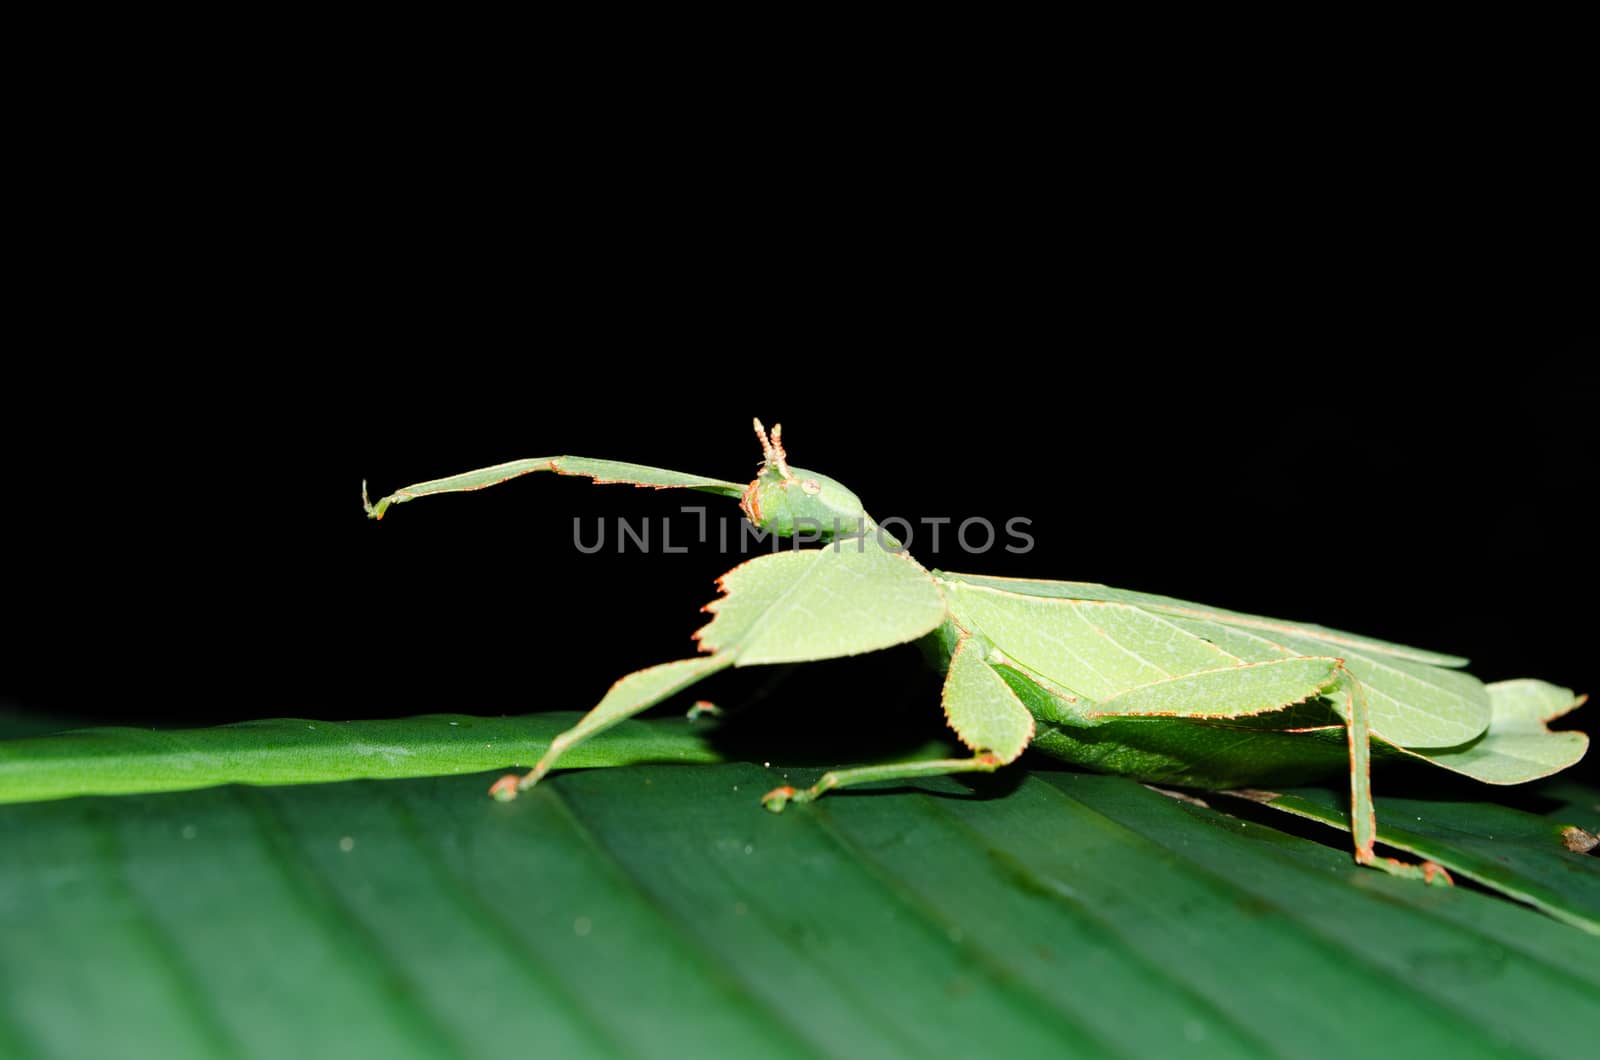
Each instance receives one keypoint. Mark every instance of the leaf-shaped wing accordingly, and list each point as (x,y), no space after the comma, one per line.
(1270,627)
(1238,691)
(1518,747)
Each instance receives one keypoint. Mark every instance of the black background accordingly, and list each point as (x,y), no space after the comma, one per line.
(1378,422)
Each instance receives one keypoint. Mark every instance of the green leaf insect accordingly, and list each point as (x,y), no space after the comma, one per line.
(1117,682)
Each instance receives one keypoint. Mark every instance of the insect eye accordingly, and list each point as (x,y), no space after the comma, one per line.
(811,485)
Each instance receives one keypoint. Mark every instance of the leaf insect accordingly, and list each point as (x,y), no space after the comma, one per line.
(1130,683)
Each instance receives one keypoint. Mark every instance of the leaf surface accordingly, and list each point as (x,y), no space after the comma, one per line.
(117,761)
(658,911)
(1523,855)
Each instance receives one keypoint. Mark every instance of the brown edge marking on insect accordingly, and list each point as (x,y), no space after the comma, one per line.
(1317,691)
(785,792)
(699,483)
(1432,870)
(1256,728)
(750,502)
(1222,723)
(944,704)
(407,493)
(1577,701)
(642,485)
(710,606)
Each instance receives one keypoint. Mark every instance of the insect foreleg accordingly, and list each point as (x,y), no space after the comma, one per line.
(633,693)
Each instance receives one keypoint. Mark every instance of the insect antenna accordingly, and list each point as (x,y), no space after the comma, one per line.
(772,448)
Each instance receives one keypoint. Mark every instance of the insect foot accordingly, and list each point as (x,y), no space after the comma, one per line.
(704,708)
(509,786)
(1428,871)
(776,799)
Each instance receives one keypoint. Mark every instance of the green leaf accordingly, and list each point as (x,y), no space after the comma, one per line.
(659,911)
(1523,855)
(119,761)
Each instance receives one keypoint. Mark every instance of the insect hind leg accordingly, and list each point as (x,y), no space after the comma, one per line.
(1363,815)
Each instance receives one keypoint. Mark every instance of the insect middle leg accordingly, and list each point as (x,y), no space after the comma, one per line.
(979,706)
(776,799)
